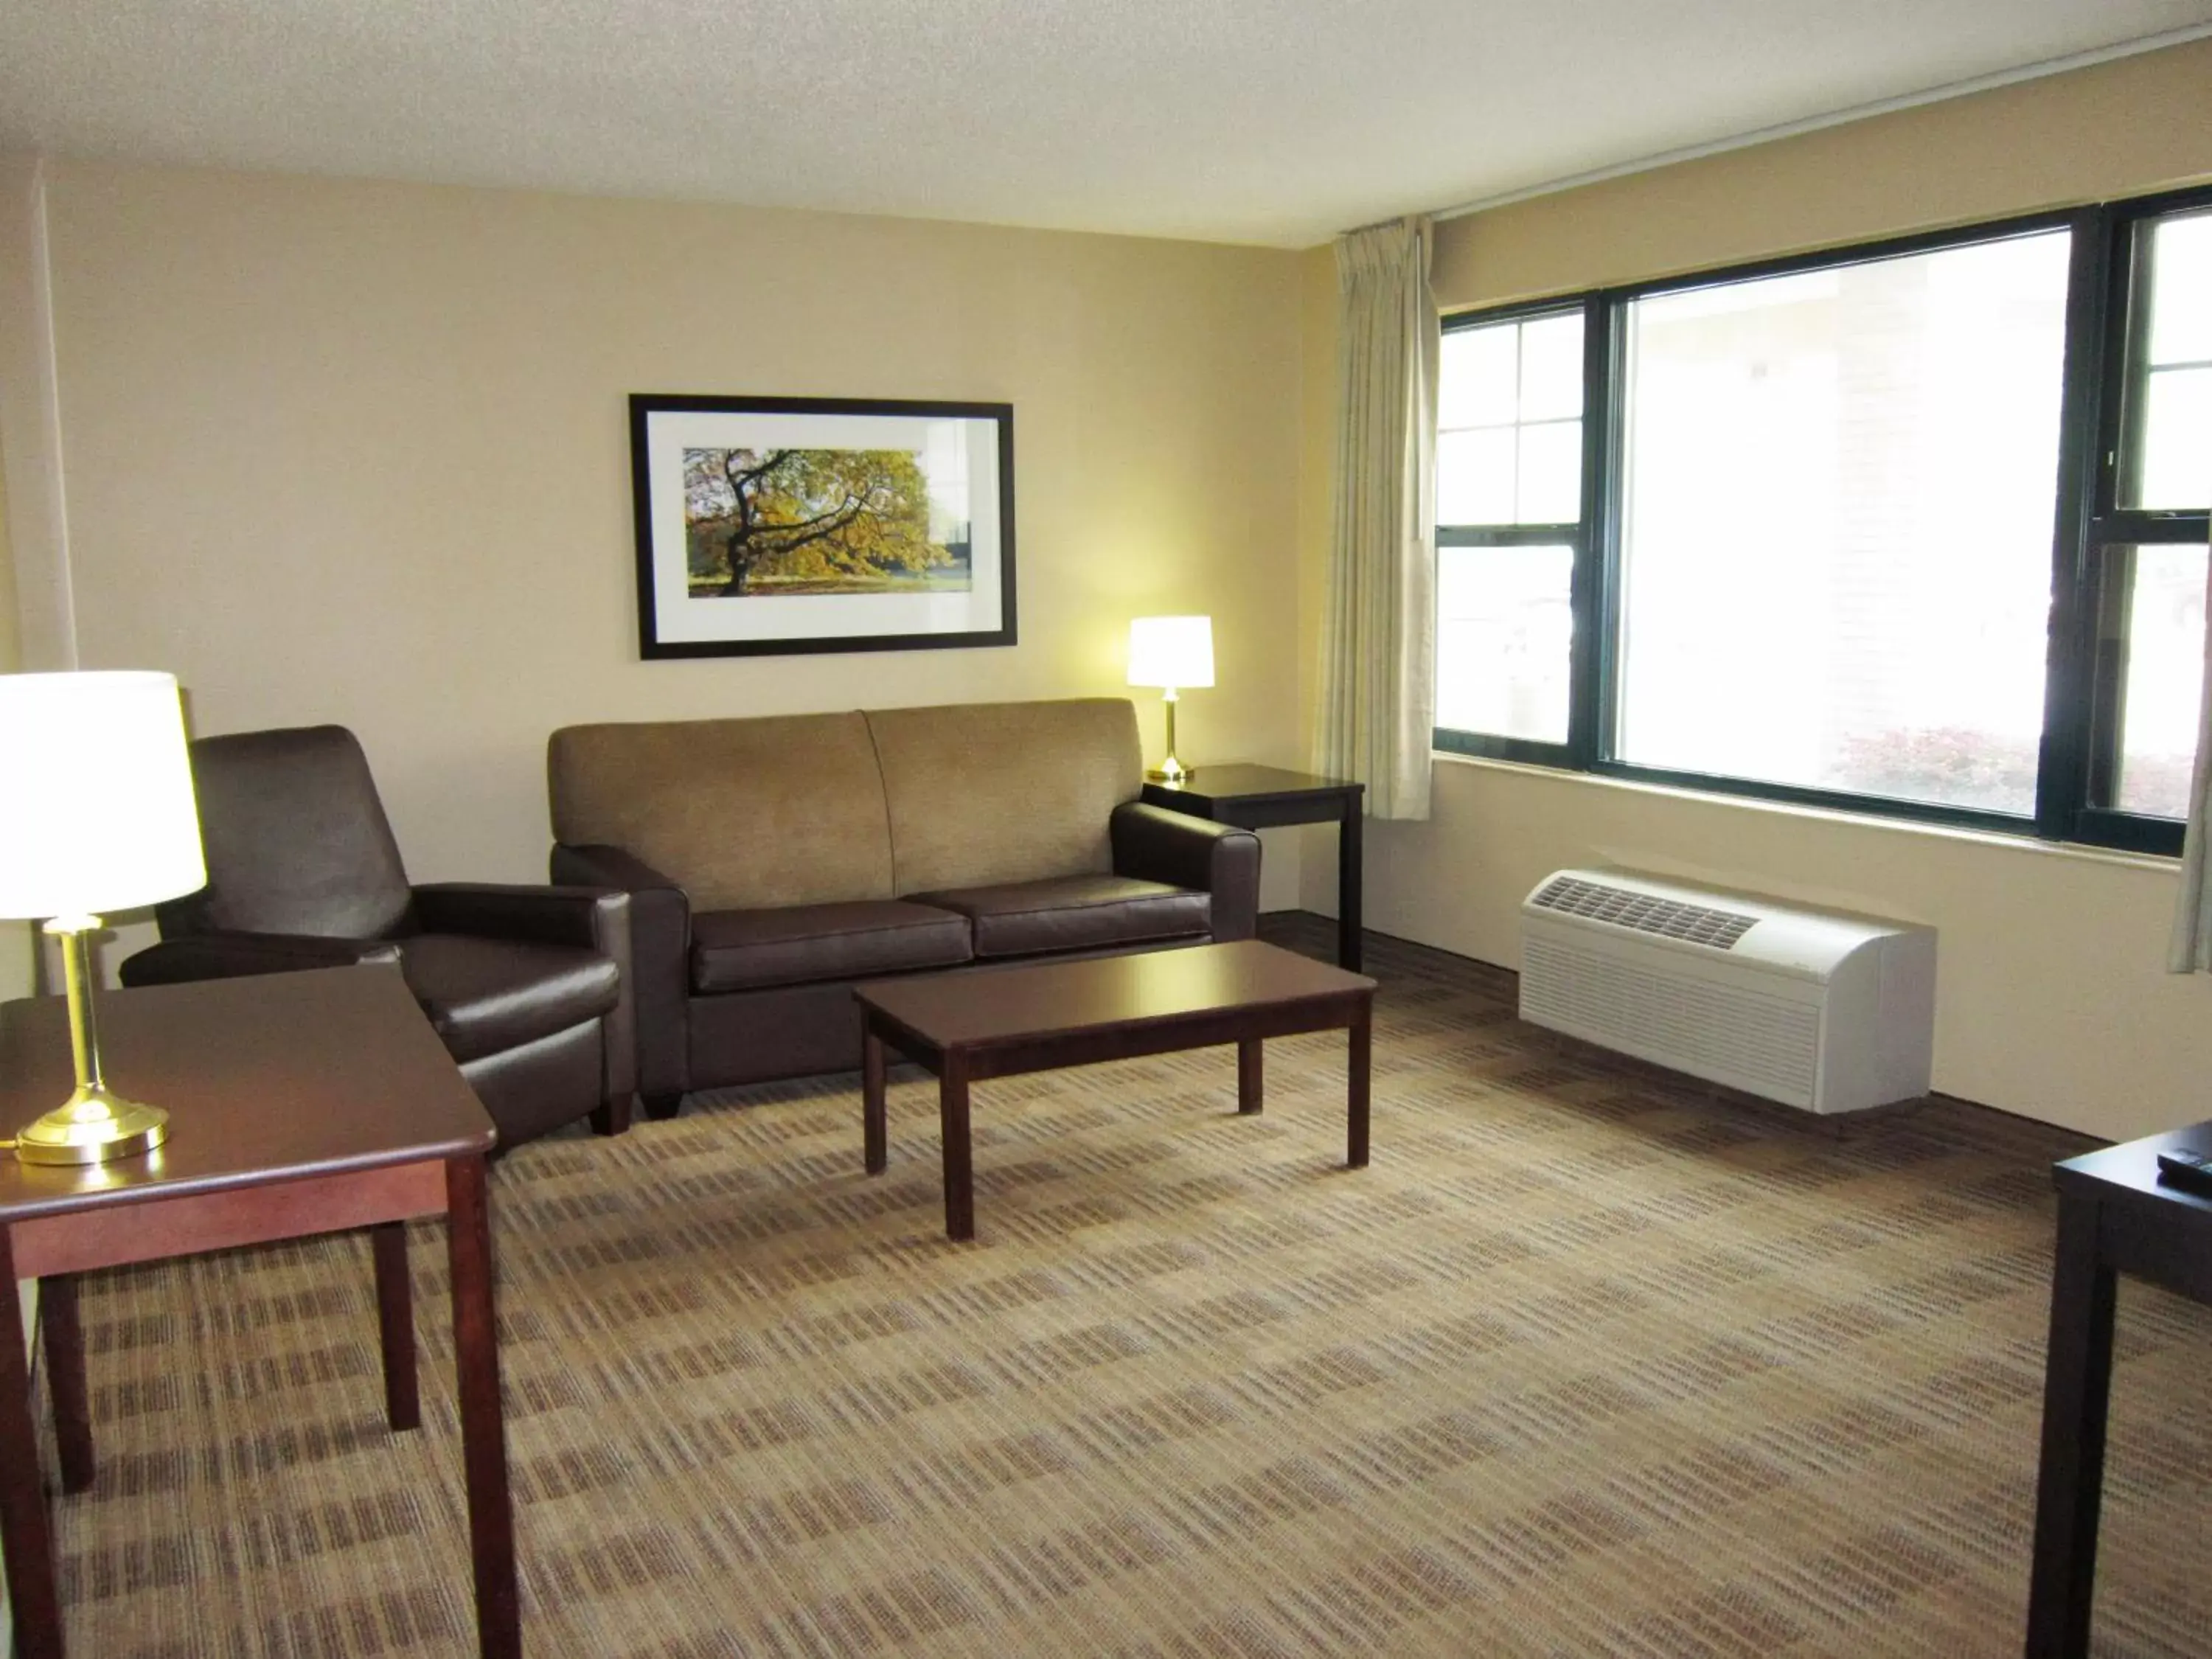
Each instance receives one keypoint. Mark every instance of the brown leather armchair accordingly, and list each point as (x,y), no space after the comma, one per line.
(528,985)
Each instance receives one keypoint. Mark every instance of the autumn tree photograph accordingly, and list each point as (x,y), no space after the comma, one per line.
(763,523)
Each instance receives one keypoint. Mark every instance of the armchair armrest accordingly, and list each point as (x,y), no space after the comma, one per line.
(1154,844)
(659,965)
(231,955)
(586,918)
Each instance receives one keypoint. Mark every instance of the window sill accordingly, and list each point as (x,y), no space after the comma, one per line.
(2030,845)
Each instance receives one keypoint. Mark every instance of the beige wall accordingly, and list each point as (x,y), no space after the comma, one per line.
(2124,128)
(358,452)
(2051,1000)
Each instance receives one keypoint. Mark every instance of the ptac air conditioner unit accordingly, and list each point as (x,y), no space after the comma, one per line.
(1823,1012)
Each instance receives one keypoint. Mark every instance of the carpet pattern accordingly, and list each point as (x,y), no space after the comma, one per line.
(1591,1361)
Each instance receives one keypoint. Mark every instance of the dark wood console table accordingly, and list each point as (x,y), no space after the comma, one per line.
(2115,1216)
(299,1104)
(1263,796)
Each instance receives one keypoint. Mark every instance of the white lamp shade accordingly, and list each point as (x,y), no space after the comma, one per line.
(96,809)
(1174,652)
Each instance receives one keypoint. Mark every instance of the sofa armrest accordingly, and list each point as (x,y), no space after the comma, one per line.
(659,965)
(1153,844)
(587,918)
(232,955)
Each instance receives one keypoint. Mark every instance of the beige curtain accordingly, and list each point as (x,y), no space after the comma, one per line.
(2191,949)
(1378,647)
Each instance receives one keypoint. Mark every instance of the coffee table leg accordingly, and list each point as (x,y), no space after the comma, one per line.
(65,1384)
(2078,1387)
(1251,1074)
(1355,1150)
(874,1136)
(953,1123)
(23,1532)
(484,1431)
(395,1318)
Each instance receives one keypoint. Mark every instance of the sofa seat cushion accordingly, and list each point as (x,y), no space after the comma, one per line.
(799,944)
(1074,913)
(484,995)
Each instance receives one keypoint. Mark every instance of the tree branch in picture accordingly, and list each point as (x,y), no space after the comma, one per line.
(813,519)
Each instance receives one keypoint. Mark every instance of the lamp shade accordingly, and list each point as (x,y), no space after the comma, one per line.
(96,810)
(1174,652)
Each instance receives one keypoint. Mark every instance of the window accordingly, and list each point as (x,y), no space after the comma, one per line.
(1510,443)
(1916,529)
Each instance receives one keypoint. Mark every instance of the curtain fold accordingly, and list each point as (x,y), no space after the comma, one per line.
(1378,646)
(2190,951)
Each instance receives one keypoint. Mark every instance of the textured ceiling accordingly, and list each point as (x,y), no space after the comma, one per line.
(1269,121)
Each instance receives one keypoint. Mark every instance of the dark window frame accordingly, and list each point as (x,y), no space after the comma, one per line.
(2085,662)
(1577,753)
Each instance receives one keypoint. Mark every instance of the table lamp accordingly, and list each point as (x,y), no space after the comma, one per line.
(1172,652)
(96,814)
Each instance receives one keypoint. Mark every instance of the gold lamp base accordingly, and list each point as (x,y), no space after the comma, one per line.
(93,1126)
(1170,770)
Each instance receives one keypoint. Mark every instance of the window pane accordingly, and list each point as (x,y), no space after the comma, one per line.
(1476,380)
(1475,476)
(1837,535)
(2164,678)
(2177,440)
(1552,368)
(1551,474)
(2167,443)
(1503,633)
(1509,403)
(2181,291)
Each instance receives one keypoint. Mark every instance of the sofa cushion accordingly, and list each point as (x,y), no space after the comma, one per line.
(486,994)
(750,950)
(1074,913)
(982,794)
(741,814)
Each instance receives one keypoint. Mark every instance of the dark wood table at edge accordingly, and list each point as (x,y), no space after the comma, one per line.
(1264,797)
(1040,1016)
(2115,1216)
(301,1104)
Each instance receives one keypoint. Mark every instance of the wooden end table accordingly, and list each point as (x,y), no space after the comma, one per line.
(998,1022)
(299,1104)
(1263,796)
(2115,1216)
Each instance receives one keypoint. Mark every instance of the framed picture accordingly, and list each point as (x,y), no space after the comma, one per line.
(775,525)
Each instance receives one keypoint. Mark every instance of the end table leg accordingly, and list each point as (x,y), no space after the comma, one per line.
(65,1334)
(953,1124)
(1251,1074)
(2078,1387)
(1355,1083)
(395,1318)
(23,1531)
(875,1137)
(483,1431)
(1350,867)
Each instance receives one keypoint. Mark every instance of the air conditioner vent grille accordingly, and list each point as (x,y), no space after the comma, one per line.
(1696,924)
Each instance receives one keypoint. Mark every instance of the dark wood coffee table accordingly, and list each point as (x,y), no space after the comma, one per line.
(996,1021)
(299,1104)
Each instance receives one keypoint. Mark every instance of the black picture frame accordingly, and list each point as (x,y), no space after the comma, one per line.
(932,569)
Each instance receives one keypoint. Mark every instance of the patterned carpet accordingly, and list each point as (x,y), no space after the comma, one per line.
(1590,1361)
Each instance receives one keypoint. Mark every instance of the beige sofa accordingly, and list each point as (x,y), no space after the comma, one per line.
(773,863)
